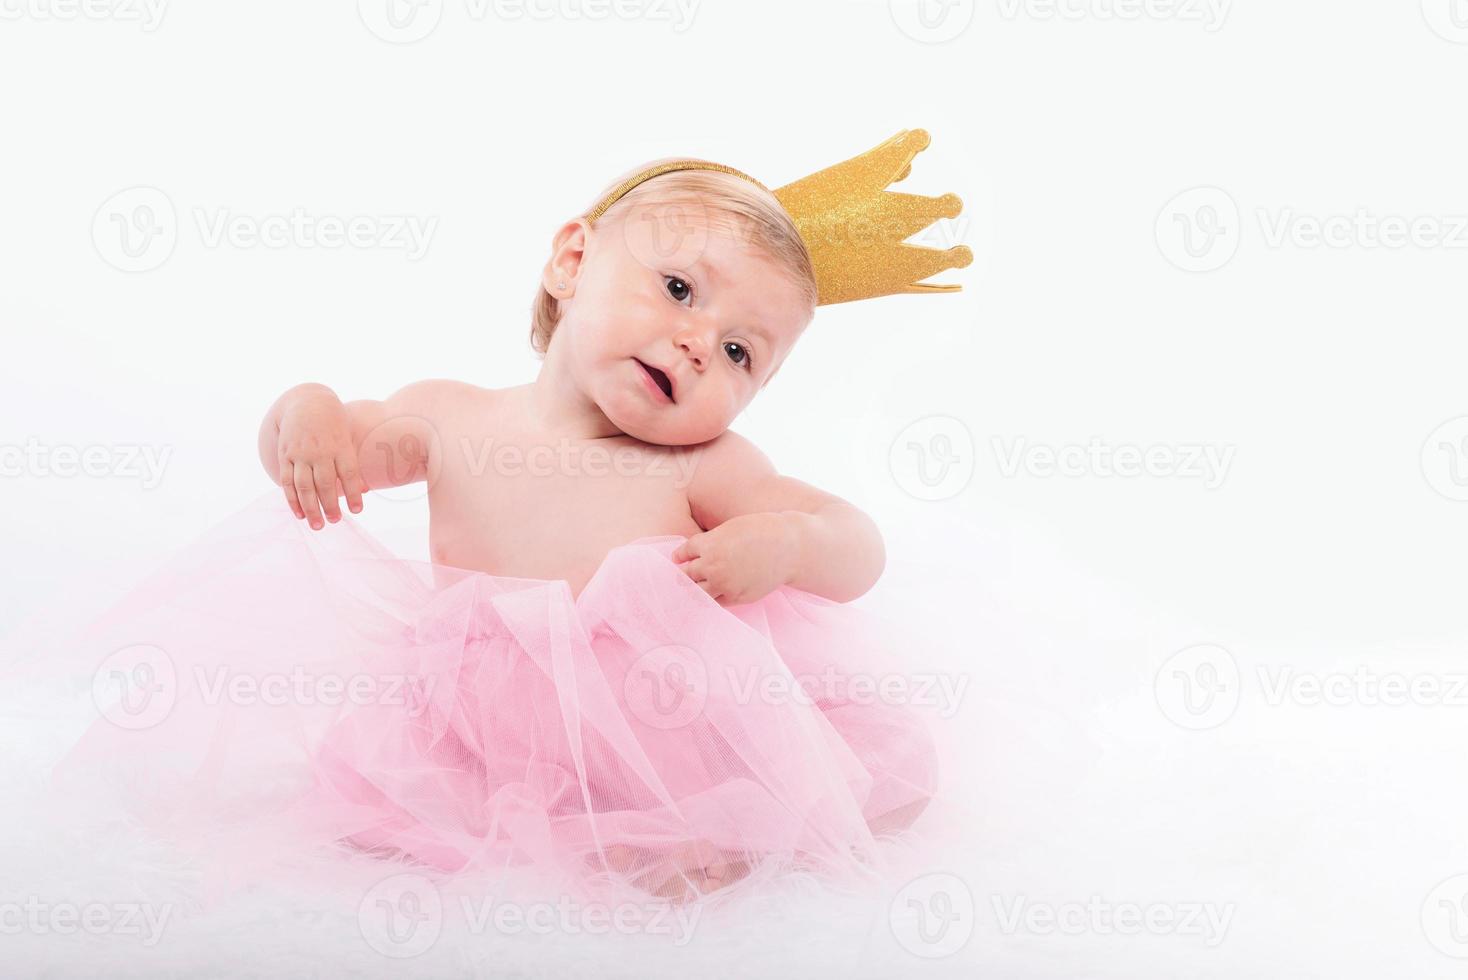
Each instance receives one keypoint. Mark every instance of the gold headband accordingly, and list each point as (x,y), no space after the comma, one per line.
(853,227)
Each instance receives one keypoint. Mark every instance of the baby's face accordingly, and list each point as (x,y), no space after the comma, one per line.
(673,343)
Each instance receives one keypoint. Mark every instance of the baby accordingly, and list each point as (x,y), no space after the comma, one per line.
(663,310)
(657,327)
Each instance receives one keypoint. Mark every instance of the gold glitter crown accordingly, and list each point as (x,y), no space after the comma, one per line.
(853,227)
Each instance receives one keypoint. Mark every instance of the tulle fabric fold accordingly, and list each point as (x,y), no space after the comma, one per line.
(274,686)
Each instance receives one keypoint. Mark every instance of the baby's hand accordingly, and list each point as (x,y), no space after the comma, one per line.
(743,559)
(314,452)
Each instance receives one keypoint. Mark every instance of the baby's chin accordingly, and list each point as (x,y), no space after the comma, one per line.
(664,435)
(662,432)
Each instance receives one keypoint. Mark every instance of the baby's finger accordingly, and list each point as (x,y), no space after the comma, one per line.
(688,549)
(288,484)
(325,474)
(285,476)
(306,490)
(351,479)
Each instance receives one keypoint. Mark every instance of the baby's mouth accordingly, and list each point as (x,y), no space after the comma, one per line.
(659,378)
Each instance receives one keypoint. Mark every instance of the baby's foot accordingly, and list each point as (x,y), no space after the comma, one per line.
(688,870)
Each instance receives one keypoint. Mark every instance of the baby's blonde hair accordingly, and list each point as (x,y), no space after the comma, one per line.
(758,217)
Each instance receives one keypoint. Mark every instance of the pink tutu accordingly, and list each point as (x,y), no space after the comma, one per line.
(271,683)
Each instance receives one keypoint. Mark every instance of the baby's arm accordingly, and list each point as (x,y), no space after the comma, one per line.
(763,530)
(319,449)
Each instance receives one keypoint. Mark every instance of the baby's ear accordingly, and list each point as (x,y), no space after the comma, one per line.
(568,248)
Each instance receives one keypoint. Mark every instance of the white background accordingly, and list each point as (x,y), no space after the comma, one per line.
(1331,545)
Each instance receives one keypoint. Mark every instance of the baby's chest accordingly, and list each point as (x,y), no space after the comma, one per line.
(554,512)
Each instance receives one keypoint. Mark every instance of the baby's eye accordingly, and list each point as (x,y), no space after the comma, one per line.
(678,289)
(739,354)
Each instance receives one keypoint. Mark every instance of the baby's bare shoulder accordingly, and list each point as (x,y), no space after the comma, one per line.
(728,458)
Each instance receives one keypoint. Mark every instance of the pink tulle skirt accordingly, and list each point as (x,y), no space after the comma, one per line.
(275,684)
